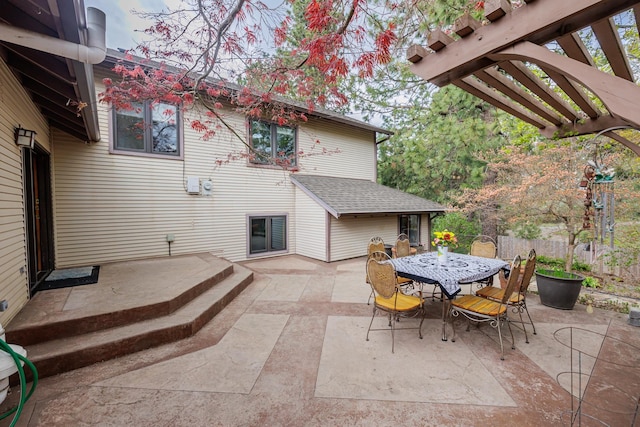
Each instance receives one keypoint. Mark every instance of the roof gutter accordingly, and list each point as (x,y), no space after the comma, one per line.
(93,53)
(82,56)
(384,138)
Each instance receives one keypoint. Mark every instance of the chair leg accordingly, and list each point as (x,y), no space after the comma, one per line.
(524,328)
(524,304)
(499,321)
(371,323)
(453,327)
(513,341)
(370,295)
(392,324)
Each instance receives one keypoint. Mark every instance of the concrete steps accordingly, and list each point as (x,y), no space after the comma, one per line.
(88,339)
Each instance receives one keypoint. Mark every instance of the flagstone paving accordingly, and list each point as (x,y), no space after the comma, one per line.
(290,350)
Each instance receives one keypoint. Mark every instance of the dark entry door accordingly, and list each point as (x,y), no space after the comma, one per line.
(39,217)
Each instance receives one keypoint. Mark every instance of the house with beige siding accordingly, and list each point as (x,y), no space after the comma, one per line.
(96,188)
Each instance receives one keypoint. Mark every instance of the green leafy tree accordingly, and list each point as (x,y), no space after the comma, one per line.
(541,186)
(439,150)
(465,229)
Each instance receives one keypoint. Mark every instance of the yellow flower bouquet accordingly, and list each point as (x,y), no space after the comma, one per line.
(445,238)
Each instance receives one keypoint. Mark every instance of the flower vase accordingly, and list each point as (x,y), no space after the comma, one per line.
(443,252)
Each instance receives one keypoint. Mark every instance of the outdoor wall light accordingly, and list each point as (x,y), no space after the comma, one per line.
(25,137)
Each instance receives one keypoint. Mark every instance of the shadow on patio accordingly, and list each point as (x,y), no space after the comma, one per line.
(290,350)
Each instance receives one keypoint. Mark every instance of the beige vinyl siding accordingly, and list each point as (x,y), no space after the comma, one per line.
(350,234)
(112,207)
(311,224)
(15,109)
(357,150)
(425,232)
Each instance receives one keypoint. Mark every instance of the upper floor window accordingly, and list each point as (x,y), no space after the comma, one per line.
(150,128)
(272,143)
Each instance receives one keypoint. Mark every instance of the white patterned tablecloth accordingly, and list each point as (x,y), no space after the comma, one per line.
(460,268)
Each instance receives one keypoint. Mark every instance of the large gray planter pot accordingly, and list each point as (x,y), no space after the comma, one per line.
(558,292)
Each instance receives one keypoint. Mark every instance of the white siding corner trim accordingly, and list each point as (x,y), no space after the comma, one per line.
(311,236)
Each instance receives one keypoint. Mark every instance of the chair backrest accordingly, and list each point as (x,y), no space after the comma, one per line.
(382,274)
(376,244)
(513,281)
(529,269)
(403,246)
(483,246)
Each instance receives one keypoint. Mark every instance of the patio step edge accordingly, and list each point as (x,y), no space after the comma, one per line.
(74,352)
(57,329)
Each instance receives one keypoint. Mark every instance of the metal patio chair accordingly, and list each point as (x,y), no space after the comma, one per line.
(388,297)
(484,310)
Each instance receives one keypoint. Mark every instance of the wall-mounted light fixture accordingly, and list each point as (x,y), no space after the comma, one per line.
(25,137)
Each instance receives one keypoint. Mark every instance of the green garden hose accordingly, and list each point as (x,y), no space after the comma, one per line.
(18,358)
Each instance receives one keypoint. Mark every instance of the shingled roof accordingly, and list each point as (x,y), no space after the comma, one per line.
(342,196)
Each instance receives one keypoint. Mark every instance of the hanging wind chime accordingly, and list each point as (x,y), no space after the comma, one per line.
(599,201)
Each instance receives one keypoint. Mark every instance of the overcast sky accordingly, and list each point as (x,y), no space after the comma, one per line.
(121,23)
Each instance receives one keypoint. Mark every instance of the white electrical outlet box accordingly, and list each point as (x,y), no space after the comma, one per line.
(207,187)
(193,185)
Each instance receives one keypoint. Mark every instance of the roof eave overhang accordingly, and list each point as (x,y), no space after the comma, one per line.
(115,56)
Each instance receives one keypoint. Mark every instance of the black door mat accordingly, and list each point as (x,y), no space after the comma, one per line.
(70,277)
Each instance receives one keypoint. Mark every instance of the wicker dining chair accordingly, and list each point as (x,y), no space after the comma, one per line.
(518,299)
(375,246)
(403,246)
(482,310)
(402,249)
(388,297)
(485,247)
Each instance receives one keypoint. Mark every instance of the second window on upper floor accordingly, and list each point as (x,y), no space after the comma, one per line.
(272,143)
(150,128)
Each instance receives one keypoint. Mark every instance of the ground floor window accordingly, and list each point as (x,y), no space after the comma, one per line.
(410,225)
(267,234)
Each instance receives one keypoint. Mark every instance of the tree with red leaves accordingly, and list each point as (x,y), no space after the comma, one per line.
(221,54)
(213,56)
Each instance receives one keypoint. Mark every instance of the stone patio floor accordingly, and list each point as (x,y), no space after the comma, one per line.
(290,350)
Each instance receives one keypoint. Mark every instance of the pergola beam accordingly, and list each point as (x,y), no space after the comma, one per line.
(501,83)
(618,95)
(532,82)
(583,127)
(497,99)
(624,141)
(574,48)
(611,45)
(538,22)
(574,92)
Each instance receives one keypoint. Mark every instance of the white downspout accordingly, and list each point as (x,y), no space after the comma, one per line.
(93,53)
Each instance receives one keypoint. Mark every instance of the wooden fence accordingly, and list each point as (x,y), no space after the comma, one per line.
(508,247)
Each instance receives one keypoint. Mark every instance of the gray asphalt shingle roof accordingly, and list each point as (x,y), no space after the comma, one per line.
(340,196)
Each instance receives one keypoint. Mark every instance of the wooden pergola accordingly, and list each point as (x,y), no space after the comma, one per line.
(493,60)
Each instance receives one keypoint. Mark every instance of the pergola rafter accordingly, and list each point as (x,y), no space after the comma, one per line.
(492,61)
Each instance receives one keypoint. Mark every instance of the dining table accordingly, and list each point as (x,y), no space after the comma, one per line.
(425,268)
